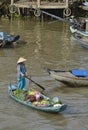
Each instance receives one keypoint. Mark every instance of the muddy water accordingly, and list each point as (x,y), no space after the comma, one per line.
(49,44)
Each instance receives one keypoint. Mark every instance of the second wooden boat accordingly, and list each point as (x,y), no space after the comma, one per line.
(77,78)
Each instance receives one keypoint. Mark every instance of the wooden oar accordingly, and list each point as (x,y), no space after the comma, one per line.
(36,83)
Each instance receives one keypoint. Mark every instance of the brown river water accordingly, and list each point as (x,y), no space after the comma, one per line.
(49,44)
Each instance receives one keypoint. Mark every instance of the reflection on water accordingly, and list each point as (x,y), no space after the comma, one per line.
(48,45)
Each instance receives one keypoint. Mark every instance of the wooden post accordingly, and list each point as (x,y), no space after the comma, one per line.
(67,3)
(12,2)
(38,3)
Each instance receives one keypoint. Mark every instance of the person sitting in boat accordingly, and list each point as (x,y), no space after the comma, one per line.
(21,73)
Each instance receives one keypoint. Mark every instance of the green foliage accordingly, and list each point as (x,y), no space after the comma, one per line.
(16,15)
(19,94)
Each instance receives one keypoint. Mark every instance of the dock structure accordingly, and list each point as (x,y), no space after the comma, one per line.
(45,5)
(41,4)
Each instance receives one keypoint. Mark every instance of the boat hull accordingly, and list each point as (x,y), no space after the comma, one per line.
(49,109)
(69,79)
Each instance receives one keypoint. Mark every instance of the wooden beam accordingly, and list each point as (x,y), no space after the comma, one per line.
(67,3)
(38,3)
(12,2)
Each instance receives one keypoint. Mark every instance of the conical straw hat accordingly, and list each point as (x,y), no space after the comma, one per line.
(20,60)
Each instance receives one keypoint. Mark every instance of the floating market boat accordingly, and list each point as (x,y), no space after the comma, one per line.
(83,41)
(8,40)
(75,78)
(36,100)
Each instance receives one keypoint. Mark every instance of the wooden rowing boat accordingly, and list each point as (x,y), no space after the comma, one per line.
(83,41)
(77,78)
(26,98)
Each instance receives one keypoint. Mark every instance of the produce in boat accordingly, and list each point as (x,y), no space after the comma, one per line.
(36,100)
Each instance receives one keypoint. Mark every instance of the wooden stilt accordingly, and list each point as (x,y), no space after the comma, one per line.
(12,2)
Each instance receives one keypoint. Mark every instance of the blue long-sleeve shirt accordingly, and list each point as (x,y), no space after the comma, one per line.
(21,70)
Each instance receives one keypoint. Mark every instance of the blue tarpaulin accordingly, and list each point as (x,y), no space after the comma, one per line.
(80,73)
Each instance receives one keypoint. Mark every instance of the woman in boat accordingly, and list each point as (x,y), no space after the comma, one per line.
(21,73)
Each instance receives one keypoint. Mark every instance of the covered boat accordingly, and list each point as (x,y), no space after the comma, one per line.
(7,40)
(36,100)
(75,78)
(83,41)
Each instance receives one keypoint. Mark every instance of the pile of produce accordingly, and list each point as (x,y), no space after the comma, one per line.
(19,94)
(35,98)
(42,102)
